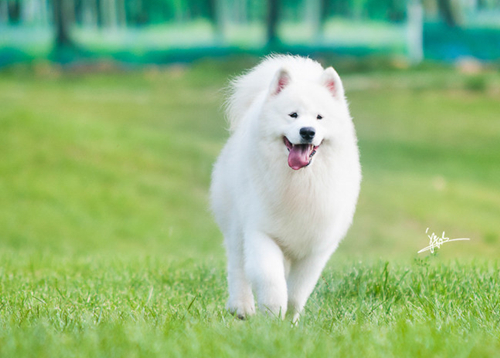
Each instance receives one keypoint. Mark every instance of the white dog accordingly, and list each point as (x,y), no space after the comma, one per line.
(285,187)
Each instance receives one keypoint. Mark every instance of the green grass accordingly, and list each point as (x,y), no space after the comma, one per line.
(131,307)
(107,247)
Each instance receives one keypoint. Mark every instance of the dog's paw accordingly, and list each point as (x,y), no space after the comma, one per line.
(241,309)
(294,318)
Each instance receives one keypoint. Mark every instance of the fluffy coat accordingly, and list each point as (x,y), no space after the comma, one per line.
(285,186)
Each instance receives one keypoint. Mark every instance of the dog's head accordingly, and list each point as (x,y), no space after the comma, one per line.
(304,115)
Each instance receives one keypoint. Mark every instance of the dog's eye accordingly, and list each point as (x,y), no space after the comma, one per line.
(319,116)
(293,115)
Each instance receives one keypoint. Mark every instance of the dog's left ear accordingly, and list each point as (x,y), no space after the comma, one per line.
(331,80)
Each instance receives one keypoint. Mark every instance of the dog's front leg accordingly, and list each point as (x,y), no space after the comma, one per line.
(304,274)
(265,268)
(241,302)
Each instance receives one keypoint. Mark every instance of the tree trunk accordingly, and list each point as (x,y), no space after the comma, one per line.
(315,10)
(4,12)
(14,10)
(415,25)
(103,15)
(62,16)
(89,13)
(446,12)
(216,14)
(481,4)
(272,23)
(121,13)
(44,12)
(112,14)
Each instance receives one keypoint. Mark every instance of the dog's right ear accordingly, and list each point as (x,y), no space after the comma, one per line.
(280,81)
(332,82)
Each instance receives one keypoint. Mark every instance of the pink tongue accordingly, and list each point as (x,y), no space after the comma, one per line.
(298,156)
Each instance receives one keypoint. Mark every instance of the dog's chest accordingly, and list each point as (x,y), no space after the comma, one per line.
(300,213)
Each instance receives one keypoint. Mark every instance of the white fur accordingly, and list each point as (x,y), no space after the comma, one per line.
(281,225)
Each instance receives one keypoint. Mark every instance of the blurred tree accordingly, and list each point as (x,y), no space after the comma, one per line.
(63,15)
(446,12)
(107,9)
(273,7)
(323,9)
(314,10)
(214,13)
(14,11)
(481,4)
(87,13)
(339,7)
(4,12)
(121,13)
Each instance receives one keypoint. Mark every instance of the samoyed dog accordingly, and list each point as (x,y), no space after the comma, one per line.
(285,187)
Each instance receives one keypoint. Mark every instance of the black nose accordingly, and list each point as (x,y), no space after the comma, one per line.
(307,133)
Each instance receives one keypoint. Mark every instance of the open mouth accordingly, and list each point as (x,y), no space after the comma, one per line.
(300,155)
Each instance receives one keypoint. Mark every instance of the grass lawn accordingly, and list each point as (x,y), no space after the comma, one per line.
(107,247)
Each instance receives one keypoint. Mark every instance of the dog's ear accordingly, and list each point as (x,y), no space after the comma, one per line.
(280,81)
(331,80)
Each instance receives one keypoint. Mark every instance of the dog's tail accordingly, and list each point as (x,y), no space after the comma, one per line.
(244,89)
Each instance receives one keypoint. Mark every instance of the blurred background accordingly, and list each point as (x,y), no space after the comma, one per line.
(161,31)
(111,118)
